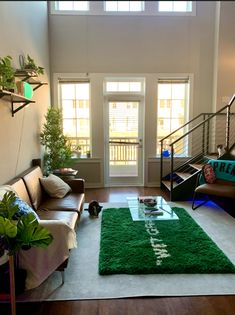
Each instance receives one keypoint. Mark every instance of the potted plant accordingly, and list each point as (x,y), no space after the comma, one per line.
(7,77)
(76,152)
(58,150)
(28,64)
(18,230)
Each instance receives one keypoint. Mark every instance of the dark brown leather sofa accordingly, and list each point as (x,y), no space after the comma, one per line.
(60,216)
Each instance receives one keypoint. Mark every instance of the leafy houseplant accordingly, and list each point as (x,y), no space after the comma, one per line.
(29,64)
(7,78)
(58,150)
(18,231)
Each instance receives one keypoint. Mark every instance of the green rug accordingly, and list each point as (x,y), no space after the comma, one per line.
(145,247)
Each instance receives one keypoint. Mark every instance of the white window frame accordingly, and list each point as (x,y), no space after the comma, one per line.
(124,79)
(97,8)
(175,76)
(178,13)
(75,78)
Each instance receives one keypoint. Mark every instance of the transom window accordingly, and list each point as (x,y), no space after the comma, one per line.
(72,5)
(75,104)
(175,6)
(125,6)
(124,86)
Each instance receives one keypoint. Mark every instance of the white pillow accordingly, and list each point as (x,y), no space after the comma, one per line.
(55,186)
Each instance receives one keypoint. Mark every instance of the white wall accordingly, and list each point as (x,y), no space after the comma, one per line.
(226,54)
(24,30)
(137,45)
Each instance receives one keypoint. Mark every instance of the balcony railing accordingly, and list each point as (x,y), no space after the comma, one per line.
(82,142)
(123,151)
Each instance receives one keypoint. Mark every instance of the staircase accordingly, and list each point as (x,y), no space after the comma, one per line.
(191,146)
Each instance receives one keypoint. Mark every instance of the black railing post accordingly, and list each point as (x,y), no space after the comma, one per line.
(161,163)
(208,136)
(203,134)
(227,127)
(172,169)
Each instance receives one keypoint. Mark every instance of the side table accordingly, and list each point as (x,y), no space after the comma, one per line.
(65,173)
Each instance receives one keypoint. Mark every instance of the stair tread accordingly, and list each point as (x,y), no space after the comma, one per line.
(184,175)
(197,166)
(212,156)
(167,183)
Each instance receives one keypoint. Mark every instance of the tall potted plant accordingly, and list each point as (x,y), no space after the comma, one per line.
(18,231)
(58,150)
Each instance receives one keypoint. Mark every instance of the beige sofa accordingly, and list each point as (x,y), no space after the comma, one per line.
(59,215)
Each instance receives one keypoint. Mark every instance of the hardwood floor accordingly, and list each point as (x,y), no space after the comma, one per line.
(196,305)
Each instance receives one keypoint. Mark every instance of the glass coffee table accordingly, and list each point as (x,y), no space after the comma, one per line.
(141,212)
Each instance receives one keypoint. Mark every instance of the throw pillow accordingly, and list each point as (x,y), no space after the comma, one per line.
(209,174)
(24,208)
(55,186)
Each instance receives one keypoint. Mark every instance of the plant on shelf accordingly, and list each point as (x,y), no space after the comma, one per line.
(58,150)
(76,151)
(7,78)
(28,64)
(18,230)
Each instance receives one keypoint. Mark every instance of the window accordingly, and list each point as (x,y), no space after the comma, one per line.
(72,5)
(125,6)
(172,103)
(124,86)
(175,6)
(75,104)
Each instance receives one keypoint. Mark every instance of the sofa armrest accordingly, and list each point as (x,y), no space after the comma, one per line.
(77,185)
(40,263)
(60,229)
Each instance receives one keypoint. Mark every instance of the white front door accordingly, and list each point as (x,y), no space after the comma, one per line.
(124,143)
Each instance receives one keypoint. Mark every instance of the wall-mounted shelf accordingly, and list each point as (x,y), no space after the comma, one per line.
(27,76)
(15,99)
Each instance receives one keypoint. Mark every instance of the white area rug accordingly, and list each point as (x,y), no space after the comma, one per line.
(82,280)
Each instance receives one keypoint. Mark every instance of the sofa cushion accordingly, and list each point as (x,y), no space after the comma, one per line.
(20,189)
(31,179)
(71,202)
(69,217)
(55,186)
(220,188)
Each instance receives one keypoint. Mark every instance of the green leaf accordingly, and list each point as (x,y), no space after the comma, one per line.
(7,227)
(7,205)
(30,233)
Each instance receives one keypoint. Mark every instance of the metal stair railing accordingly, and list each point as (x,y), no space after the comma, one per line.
(193,140)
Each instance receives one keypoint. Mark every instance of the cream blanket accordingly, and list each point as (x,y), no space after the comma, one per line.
(41,262)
